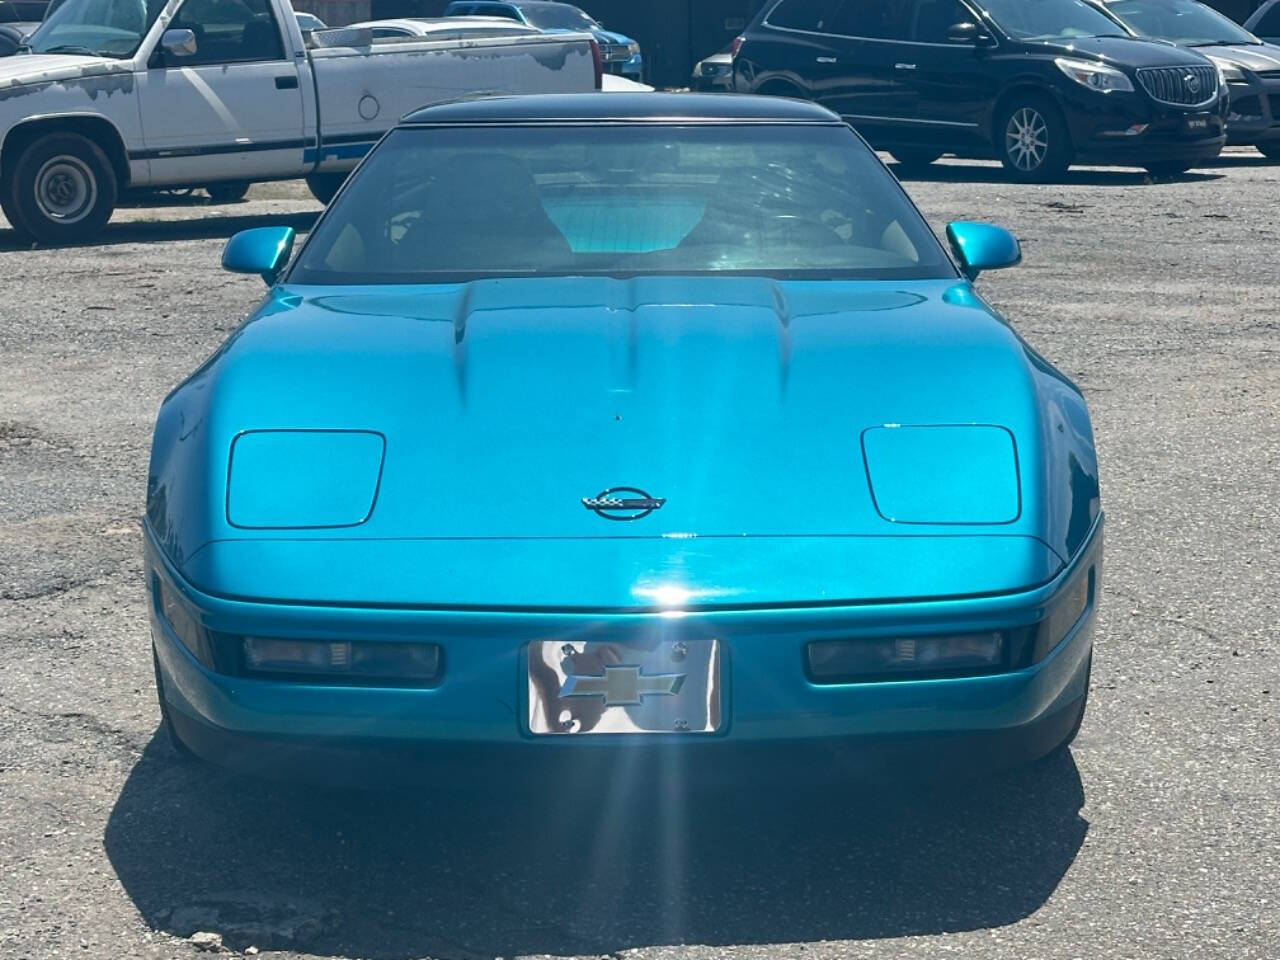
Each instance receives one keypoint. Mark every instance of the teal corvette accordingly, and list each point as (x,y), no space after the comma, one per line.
(608,427)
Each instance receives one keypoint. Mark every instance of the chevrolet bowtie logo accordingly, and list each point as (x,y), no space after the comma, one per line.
(623,686)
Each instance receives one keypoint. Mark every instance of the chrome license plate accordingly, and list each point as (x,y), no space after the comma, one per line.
(582,687)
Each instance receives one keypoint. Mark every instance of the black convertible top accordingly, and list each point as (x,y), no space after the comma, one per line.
(623,108)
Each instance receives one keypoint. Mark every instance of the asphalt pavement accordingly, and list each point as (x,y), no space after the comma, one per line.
(1158,836)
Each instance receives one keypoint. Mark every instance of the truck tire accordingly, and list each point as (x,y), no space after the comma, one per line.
(227,192)
(1032,140)
(61,189)
(324,186)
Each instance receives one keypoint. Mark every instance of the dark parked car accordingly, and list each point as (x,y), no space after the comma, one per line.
(1250,67)
(1265,22)
(1039,84)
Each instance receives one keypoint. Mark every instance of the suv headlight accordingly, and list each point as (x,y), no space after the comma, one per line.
(1095,76)
(1228,72)
(633,48)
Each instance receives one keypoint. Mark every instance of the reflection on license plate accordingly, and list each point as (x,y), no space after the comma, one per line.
(593,686)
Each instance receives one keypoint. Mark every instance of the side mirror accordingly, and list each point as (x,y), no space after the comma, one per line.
(262,250)
(969,33)
(178,43)
(981,246)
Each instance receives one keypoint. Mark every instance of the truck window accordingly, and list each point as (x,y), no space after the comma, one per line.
(230,31)
(108,28)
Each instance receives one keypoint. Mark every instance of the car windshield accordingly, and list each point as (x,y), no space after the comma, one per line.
(447,205)
(104,28)
(1051,19)
(558,16)
(1180,21)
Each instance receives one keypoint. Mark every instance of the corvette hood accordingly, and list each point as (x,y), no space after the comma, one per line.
(756,411)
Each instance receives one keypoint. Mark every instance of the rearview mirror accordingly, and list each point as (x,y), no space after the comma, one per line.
(178,43)
(982,246)
(262,250)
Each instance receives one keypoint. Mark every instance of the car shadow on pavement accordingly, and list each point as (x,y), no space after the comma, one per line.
(203,227)
(1087,177)
(577,869)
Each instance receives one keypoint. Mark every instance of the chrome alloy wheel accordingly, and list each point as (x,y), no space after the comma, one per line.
(1026,139)
(66,189)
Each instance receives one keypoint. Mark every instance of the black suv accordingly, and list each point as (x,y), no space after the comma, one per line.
(1039,84)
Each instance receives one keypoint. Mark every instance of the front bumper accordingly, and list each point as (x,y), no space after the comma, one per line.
(1254,113)
(631,68)
(1132,129)
(773,710)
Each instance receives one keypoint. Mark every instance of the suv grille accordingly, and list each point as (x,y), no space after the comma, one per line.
(1184,86)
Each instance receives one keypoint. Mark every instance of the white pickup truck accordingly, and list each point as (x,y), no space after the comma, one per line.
(119,94)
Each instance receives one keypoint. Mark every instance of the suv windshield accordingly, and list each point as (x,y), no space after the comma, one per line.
(1051,19)
(558,16)
(1180,21)
(104,28)
(444,205)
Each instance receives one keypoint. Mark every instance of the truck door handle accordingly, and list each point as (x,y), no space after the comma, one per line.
(904,66)
(826,60)
(287,83)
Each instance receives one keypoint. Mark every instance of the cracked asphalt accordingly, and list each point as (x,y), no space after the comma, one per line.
(1158,837)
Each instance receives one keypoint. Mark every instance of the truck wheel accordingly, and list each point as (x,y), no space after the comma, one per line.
(1032,140)
(62,189)
(324,186)
(914,159)
(227,192)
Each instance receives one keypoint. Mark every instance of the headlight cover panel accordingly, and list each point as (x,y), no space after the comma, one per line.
(947,474)
(303,479)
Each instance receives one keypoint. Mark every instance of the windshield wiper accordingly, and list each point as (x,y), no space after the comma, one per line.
(72,48)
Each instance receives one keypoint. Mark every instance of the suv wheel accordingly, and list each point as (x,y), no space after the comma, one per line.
(1032,140)
(62,189)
